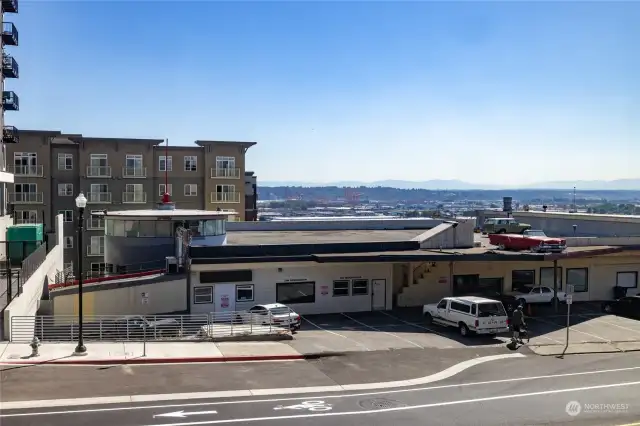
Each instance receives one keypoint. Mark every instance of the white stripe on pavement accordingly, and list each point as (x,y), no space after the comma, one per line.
(382,331)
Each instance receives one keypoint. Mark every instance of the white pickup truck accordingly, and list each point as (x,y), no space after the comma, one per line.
(538,294)
(470,314)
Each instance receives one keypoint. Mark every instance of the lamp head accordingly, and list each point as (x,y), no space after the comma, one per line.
(81,201)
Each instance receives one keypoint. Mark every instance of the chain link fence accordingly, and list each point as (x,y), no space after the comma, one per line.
(111,328)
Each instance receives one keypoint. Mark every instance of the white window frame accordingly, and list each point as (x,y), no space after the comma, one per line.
(99,269)
(137,159)
(162,189)
(192,160)
(65,189)
(96,160)
(245,287)
(99,219)
(97,241)
(67,215)
(203,298)
(223,162)
(68,242)
(339,291)
(357,285)
(230,189)
(190,190)
(62,161)
(22,186)
(31,215)
(30,157)
(167,161)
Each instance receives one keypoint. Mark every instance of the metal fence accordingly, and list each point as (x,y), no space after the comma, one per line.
(137,328)
(21,260)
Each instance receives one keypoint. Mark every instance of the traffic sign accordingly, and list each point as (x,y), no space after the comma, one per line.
(569,299)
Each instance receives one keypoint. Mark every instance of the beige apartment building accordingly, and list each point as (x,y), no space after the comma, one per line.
(51,168)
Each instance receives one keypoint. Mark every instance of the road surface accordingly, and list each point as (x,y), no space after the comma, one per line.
(586,390)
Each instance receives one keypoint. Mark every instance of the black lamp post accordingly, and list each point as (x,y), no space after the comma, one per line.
(81,203)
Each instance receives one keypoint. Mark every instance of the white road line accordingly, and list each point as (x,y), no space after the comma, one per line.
(413,324)
(336,334)
(76,402)
(411,407)
(615,325)
(573,328)
(382,331)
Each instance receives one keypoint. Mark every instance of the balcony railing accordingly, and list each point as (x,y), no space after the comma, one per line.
(95,223)
(99,171)
(10,6)
(9,34)
(99,198)
(10,101)
(9,67)
(134,197)
(10,134)
(33,171)
(26,197)
(134,172)
(225,173)
(95,251)
(225,197)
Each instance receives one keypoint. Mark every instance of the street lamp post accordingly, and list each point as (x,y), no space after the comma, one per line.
(81,203)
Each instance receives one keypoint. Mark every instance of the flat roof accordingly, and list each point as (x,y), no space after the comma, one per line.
(320,237)
(179,213)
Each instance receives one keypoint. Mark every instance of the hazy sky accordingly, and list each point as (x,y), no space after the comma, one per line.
(483,92)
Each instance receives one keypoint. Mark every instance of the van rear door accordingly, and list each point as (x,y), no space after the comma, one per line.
(492,316)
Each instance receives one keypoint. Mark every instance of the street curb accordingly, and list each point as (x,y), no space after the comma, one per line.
(140,360)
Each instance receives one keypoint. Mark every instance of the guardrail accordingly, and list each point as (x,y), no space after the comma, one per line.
(138,328)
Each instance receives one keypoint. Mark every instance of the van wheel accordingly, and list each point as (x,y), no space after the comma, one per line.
(502,231)
(464,330)
(428,319)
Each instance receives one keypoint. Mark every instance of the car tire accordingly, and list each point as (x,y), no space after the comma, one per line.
(464,330)
(502,231)
(238,319)
(428,319)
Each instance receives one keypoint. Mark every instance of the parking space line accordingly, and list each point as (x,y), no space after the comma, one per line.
(335,334)
(573,329)
(381,331)
(412,324)
(616,325)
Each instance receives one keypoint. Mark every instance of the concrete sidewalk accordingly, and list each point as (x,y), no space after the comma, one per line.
(584,348)
(157,352)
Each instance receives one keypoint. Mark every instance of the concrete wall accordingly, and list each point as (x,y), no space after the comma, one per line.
(448,236)
(162,297)
(602,241)
(265,280)
(588,225)
(28,302)
(432,281)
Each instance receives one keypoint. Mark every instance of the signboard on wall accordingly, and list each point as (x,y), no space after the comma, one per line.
(324,290)
(144,298)
(442,280)
(224,301)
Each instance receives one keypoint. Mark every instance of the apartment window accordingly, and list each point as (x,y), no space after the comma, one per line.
(134,161)
(202,295)
(67,215)
(191,190)
(359,287)
(226,193)
(546,277)
(98,160)
(297,292)
(25,159)
(134,187)
(578,278)
(627,279)
(95,221)
(26,216)
(26,188)
(341,288)
(68,242)
(97,245)
(65,189)
(523,278)
(165,164)
(65,161)
(190,163)
(165,188)
(244,293)
(99,269)
(225,162)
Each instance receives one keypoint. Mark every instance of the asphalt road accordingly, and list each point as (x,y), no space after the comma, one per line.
(586,390)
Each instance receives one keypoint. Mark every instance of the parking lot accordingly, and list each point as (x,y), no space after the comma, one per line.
(404,328)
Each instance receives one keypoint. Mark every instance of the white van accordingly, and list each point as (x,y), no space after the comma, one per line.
(469,314)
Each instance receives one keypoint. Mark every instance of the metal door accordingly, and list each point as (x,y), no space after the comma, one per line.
(378,294)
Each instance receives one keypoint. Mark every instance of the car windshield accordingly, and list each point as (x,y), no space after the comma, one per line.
(280,311)
(491,309)
(536,234)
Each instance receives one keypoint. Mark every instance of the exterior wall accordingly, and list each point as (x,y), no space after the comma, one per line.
(226,149)
(163,297)
(266,278)
(131,251)
(332,225)
(178,177)
(28,303)
(588,225)
(432,281)
(250,197)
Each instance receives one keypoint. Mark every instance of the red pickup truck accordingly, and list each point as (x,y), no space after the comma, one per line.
(533,240)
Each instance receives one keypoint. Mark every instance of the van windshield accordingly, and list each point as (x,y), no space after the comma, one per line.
(491,309)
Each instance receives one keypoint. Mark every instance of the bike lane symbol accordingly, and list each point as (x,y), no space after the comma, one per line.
(307,405)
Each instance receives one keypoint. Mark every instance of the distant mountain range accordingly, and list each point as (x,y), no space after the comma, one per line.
(592,185)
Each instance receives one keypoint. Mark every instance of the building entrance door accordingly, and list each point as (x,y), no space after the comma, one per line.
(378,294)
(225,297)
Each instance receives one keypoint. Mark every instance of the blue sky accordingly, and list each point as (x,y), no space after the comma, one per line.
(483,92)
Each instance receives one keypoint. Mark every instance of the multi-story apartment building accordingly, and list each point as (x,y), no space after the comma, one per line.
(250,196)
(51,168)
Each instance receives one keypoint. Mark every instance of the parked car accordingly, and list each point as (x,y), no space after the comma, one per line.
(538,294)
(504,225)
(470,314)
(533,240)
(626,306)
(509,301)
(274,313)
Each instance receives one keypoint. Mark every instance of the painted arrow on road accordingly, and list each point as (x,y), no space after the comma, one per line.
(183,414)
